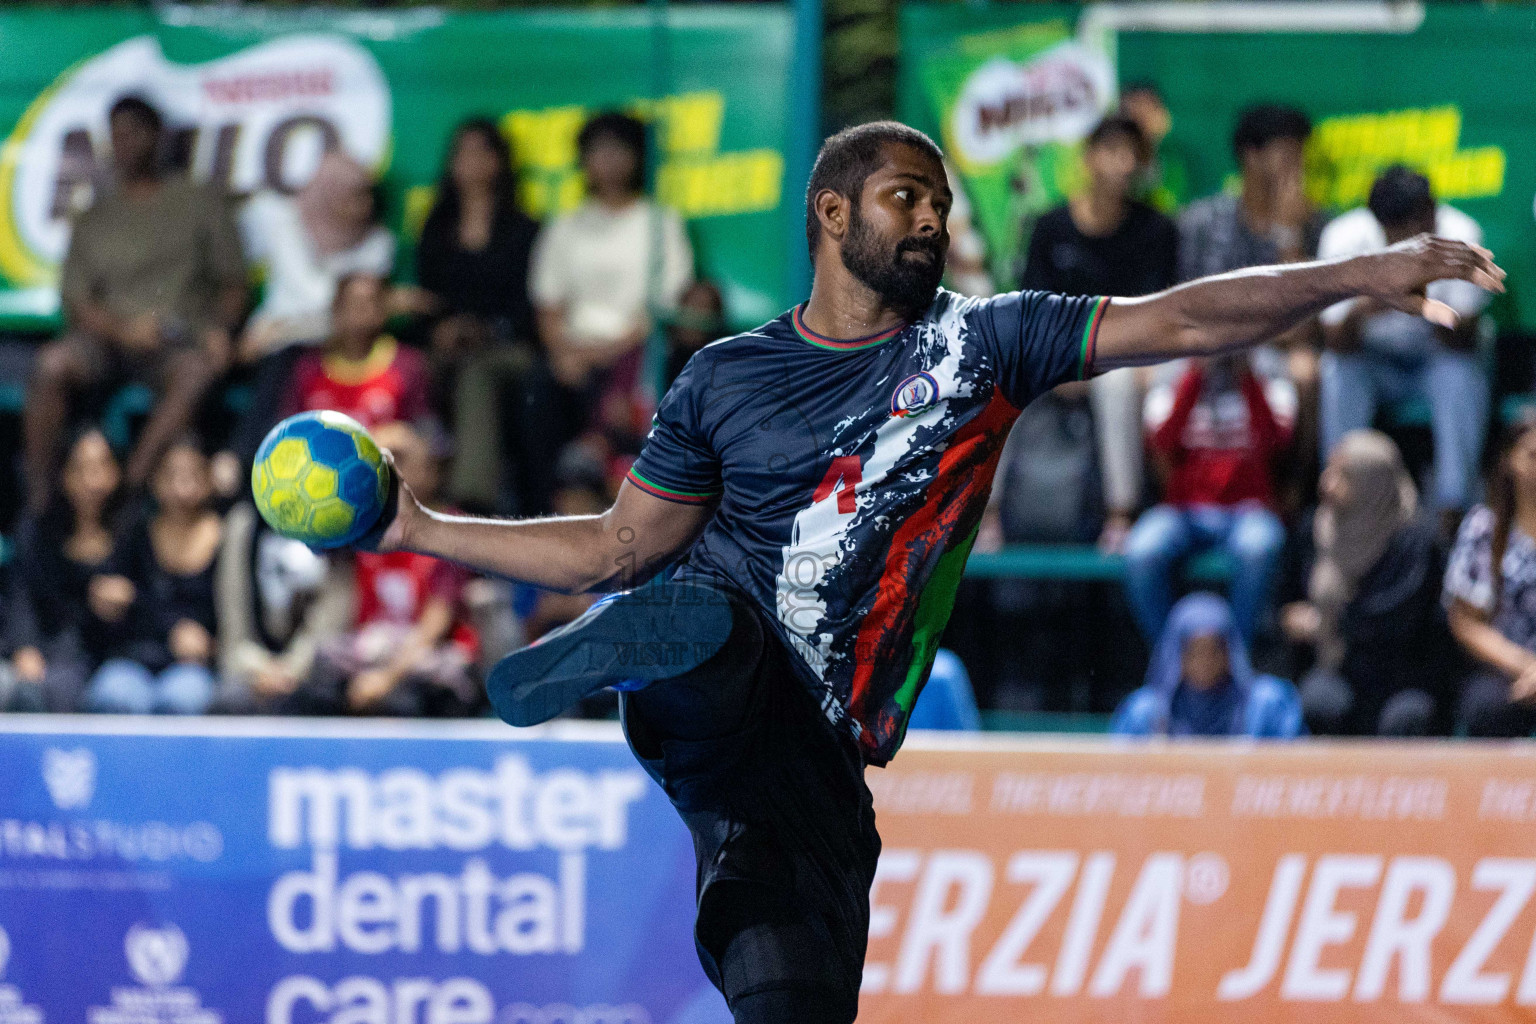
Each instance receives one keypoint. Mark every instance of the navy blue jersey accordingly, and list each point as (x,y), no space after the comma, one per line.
(851,477)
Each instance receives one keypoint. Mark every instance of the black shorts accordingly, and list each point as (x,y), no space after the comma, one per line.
(783,827)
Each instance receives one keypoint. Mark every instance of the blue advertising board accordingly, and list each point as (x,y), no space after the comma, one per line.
(247,870)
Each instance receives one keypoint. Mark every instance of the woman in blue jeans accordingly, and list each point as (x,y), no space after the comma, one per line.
(1216,448)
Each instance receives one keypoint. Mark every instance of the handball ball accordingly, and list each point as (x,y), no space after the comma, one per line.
(321,479)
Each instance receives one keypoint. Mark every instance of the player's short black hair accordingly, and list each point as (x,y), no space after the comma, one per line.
(137,107)
(1144,86)
(1118,126)
(848,158)
(1260,125)
(1401,195)
(621,128)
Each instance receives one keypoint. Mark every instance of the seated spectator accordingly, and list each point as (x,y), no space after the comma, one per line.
(1217,445)
(1104,242)
(1377,354)
(1493,611)
(55,638)
(306,243)
(598,276)
(1200,683)
(947,702)
(278,601)
(472,265)
(165,568)
(362,371)
(1372,614)
(152,284)
(411,650)
(1269,221)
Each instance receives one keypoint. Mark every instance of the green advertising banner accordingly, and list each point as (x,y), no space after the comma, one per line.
(1446,89)
(254,96)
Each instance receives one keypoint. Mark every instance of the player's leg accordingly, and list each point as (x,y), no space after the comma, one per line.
(783,827)
(657,631)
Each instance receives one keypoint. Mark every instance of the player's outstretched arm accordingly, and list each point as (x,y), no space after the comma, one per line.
(572,554)
(1246,307)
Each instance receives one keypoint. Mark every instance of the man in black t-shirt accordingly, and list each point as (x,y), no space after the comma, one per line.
(1104,242)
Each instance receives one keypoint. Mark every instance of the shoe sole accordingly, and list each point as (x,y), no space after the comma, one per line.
(654,632)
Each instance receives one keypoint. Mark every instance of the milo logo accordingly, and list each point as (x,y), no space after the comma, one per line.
(257,118)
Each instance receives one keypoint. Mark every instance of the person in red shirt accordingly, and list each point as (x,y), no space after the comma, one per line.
(361,371)
(1217,447)
(411,651)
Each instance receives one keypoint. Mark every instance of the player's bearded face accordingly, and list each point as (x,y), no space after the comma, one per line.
(906,282)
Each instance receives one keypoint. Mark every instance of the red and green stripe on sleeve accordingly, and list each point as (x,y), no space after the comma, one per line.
(670,493)
(1091,338)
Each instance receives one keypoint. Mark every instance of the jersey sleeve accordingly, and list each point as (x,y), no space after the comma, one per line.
(678,463)
(1038,340)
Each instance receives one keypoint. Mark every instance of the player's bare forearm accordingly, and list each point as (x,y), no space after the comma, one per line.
(572,554)
(1246,307)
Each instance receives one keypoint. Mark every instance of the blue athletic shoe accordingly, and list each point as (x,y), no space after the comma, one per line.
(626,640)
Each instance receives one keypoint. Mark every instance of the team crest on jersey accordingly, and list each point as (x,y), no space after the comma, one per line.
(914,394)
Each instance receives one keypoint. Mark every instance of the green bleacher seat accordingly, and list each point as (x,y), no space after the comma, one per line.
(1079,562)
(1043,721)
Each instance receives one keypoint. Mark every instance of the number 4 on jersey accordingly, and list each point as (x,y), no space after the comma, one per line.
(842,476)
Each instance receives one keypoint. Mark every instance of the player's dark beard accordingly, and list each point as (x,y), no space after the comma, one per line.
(906,285)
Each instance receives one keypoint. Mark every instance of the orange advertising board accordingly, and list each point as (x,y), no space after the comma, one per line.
(1198,883)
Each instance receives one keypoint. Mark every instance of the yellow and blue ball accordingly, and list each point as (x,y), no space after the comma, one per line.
(320,478)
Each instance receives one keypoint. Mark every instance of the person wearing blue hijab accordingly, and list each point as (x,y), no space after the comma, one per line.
(1200,683)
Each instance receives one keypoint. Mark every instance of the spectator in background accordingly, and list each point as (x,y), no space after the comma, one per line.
(1103,242)
(1200,683)
(151,287)
(165,571)
(1490,590)
(1164,179)
(1378,354)
(1269,221)
(411,649)
(947,702)
(472,265)
(599,275)
(306,244)
(1372,614)
(361,371)
(698,320)
(278,601)
(1216,442)
(55,638)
